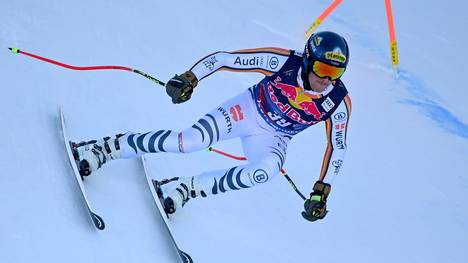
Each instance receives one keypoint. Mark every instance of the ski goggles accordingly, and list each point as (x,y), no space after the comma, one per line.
(323,70)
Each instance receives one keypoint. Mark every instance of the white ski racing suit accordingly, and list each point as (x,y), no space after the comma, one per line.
(265,117)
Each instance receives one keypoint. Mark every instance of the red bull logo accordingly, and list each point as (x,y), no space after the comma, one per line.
(283,107)
(291,92)
(287,90)
(287,109)
(287,116)
(310,108)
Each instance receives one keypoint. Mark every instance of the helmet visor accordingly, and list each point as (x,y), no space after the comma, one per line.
(323,70)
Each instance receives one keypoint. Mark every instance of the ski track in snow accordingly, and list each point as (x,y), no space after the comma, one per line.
(426,100)
(422,96)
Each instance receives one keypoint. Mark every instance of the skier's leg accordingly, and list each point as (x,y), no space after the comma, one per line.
(236,117)
(265,153)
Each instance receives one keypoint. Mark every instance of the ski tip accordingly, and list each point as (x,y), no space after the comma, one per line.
(185,257)
(98,222)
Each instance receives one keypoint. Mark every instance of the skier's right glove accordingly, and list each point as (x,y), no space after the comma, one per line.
(180,87)
(316,206)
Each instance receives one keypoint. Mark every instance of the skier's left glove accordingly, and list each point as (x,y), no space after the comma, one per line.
(316,206)
(180,87)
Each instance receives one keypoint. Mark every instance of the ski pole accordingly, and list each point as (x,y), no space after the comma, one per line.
(322,17)
(155,80)
(242,158)
(391,31)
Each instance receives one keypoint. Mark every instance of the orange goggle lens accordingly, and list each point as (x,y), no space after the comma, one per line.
(323,70)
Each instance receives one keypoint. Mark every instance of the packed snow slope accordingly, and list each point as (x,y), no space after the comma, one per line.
(403,190)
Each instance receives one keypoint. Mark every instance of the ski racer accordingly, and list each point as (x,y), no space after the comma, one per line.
(299,90)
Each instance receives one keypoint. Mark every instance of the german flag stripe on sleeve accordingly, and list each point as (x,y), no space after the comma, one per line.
(275,50)
(226,68)
(258,70)
(328,151)
(349,107)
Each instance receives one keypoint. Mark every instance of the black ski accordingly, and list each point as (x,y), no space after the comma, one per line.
(97,220)
(158,199)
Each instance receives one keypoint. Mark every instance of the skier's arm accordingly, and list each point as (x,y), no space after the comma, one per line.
(336,128)
(263,60)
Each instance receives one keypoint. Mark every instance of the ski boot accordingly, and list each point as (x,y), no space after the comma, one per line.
(91,155)
(179,191)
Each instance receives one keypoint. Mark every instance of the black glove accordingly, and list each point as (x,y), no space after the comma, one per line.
(316,206)
(180,87)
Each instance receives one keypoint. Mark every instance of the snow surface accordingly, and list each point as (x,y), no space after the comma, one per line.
(402,194)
